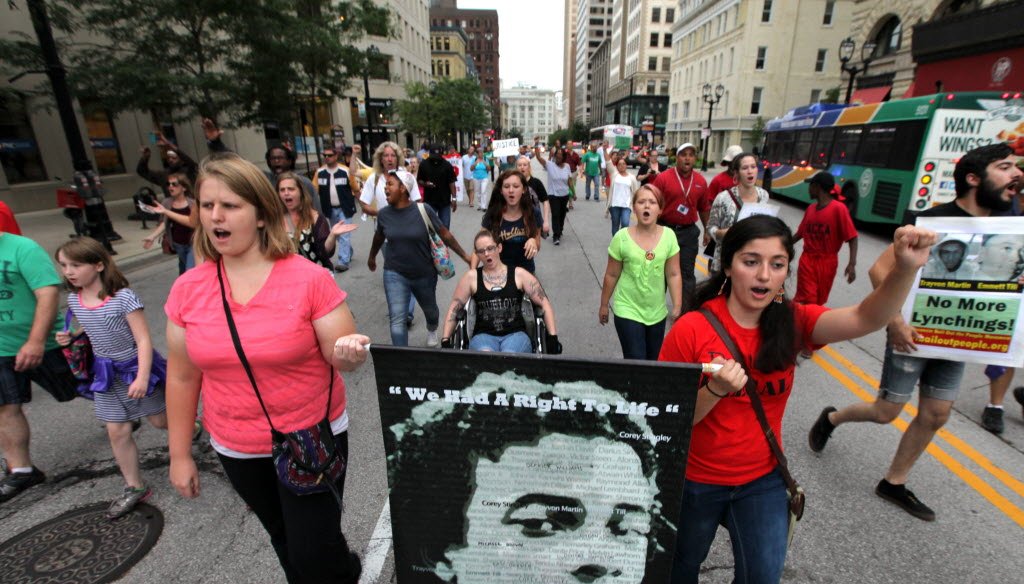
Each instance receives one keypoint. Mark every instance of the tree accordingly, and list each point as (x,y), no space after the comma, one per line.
(577,132)
(515,133)
(831,96)
(757,133)
(444,108)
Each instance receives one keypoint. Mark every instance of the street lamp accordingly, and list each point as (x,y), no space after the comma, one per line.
(711,99)
(846,49)
(371,57)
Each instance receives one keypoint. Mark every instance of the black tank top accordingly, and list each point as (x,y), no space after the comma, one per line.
(498,312)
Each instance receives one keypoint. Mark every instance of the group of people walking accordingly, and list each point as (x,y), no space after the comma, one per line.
(263,241)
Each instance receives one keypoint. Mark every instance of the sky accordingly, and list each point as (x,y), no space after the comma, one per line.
(530,40)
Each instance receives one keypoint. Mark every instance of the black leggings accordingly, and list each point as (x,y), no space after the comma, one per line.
(558,210)
(304,530)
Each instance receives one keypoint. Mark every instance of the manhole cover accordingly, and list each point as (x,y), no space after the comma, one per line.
(80,547)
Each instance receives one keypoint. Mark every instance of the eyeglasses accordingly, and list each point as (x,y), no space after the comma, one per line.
(173,183)
(487,250)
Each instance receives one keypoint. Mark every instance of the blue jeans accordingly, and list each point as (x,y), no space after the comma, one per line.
(518,342)
(344,242)
(620,218)
(186,260)
(596,179)
(399,290)
(756,514)
(639,340)
(444,213)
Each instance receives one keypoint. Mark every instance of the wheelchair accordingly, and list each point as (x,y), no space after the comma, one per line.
(533,314)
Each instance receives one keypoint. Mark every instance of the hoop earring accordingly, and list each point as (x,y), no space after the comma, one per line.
(722,289)
(780,295)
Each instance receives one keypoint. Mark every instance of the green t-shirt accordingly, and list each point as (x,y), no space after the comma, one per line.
(591,163)
(24,267)
(640,292)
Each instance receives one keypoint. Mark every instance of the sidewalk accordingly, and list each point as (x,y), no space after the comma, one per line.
(50,229)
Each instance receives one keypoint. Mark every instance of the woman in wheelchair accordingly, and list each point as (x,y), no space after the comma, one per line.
(498,291)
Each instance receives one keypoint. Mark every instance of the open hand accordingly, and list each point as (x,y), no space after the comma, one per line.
(343,228)
(211,130)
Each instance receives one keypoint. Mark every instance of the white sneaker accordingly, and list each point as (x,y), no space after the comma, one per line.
(432,339)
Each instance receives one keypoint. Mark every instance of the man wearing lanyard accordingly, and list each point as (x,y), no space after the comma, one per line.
(684,190)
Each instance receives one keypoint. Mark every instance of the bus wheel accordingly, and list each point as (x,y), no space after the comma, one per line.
(852,198)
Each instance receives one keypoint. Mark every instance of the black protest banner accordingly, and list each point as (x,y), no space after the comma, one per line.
(517,468)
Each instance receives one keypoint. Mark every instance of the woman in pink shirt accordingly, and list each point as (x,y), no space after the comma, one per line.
(296,331)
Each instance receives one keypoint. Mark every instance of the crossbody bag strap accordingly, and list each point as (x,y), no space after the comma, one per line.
(426,219)
(755,399)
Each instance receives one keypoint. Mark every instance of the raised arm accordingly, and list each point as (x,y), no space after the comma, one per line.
(909,252)
(540,157)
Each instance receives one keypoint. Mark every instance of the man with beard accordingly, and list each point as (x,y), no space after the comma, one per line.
(987,180)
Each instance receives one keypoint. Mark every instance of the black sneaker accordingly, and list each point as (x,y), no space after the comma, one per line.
(902,496)
(992,419)
(16,482)
(821,431)
(558,240)
(1018,394)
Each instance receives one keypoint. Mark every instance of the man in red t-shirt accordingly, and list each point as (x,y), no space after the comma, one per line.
(723,181)
(825,227)
(685,204)
(7,222)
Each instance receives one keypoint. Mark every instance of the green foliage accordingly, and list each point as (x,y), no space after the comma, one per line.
(831,96)
(577,132)
(757,133)
(450,106)
(515,133)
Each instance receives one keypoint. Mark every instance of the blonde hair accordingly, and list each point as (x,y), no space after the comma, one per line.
(244,179)
(378,166)
(658,196)
(86,250)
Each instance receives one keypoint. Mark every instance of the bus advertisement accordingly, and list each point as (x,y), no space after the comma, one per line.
(892,157)
(620,137)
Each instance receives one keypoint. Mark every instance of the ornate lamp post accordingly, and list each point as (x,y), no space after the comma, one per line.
(846,49)
(710,98)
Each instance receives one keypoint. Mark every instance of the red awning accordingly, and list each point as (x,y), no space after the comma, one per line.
(871,94)
(909,92)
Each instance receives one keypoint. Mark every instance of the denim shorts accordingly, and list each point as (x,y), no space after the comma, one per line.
(939,378)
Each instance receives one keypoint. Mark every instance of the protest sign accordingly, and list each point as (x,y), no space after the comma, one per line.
(460,188)
(751,209)
(966,302)
(510,468)
(508,147)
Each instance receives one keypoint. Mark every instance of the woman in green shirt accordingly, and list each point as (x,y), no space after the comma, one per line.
(642,261)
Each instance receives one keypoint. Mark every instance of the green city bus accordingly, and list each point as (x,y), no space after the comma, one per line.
(892,157)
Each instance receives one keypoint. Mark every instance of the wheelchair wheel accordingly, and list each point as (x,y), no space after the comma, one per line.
(460,338)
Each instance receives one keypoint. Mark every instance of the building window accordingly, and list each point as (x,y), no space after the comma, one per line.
(815,96)
(670,15)
(766,11)
(19,151)
(664,86)
(819,64)
(447,44)
(668,40)
(686,110)
(654,39)
(656,15)
(652,63)
(755,100)
(666,64)
(762,56)
(889,37)
(99,127)
(651,84)
(830,7)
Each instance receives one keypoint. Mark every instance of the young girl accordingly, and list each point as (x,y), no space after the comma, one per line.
(514,221)
(128,375)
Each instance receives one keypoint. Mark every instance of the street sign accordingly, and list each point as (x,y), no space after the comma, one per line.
(705,133)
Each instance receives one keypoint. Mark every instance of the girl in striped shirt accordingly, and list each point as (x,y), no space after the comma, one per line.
(127,375)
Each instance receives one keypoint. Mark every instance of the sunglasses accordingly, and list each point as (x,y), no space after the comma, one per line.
(330,154)
(173,183)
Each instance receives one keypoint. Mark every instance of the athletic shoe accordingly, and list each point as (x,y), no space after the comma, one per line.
(16,482)
(992,419)
(902,496)
(1018,394)
(129,498)
(409,320)
(432,339)
(341,268)
(558,240)
(821,431)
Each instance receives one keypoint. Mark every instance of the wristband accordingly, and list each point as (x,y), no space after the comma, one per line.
(707,386)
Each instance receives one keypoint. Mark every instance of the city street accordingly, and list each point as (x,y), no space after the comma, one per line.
(974,480)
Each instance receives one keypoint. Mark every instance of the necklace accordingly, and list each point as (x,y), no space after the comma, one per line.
(649,256)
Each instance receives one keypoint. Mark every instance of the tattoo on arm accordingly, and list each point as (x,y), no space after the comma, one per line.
(454,309)
(536,291)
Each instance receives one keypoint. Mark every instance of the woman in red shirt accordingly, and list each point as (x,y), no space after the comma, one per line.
(297,333)
(732,477)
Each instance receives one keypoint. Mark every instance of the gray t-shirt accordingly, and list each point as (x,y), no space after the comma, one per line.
(407,250)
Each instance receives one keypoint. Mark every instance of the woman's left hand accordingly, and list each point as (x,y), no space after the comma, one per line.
(350,351)
(675,313)
(530,248)
(137,390)
(911,245)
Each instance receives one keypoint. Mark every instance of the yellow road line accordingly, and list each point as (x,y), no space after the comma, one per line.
(967,450)
(974,481)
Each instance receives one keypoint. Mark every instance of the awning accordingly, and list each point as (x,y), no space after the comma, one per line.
(909,92)
(871,94)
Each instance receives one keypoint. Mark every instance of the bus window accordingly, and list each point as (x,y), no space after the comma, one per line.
(822,147)
(768,152)
(876,145)
(783,147)
(802,148)
(907,145)
(845,149)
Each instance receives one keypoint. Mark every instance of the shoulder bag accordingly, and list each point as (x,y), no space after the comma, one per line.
(710,249)
(438,250)
(793,490)
(79,356)
(307,461)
